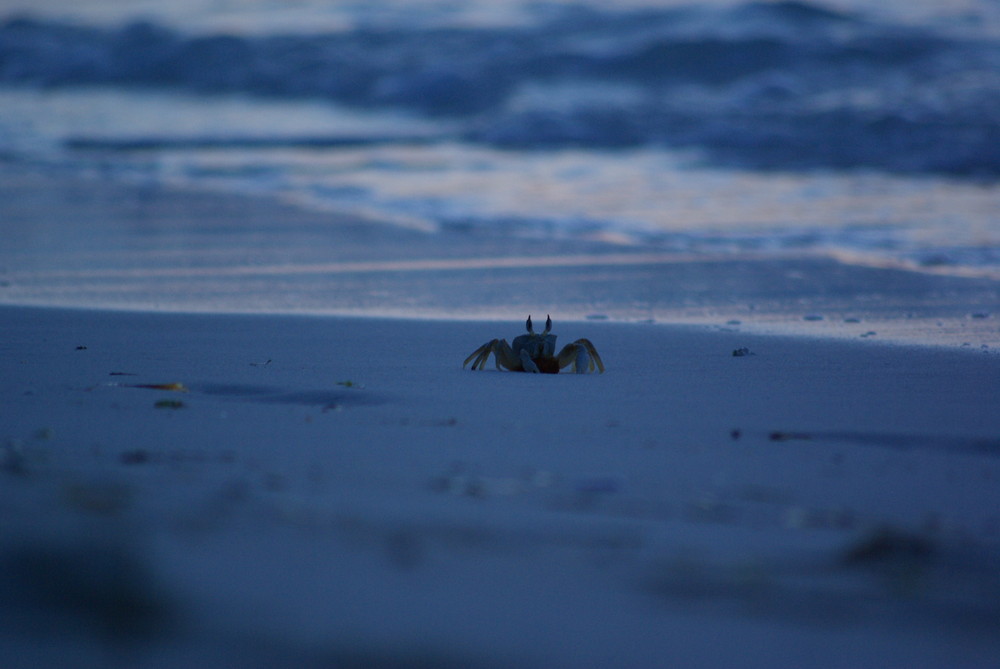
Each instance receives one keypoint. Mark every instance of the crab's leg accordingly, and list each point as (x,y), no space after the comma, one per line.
(481,354)
(504,356)
(527,364)
(576,355)
(473,355)
(595,358)
(582,355)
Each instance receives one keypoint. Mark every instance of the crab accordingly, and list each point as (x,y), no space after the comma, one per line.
(534,352)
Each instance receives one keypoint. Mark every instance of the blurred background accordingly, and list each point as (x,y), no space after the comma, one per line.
(716,130)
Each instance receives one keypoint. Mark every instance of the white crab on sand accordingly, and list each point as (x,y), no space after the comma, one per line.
(534,352)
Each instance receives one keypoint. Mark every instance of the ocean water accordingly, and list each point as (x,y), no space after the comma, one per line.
(870,135)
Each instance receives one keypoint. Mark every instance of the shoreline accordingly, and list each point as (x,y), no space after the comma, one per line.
(152,248)
(901,333)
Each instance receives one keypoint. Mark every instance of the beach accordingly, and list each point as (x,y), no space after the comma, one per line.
(275,490)
(322,490)
(255,444)
(246,248)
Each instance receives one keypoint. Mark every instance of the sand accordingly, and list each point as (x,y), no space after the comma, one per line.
(319,482)
(338,491)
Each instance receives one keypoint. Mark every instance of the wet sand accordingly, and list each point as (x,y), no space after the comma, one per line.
(94,243)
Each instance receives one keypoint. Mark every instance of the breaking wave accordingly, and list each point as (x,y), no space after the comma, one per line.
(784,85)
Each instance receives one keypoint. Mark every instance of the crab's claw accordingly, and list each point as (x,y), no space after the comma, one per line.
(528,326)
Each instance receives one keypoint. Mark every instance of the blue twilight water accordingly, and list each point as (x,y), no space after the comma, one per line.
(717,127)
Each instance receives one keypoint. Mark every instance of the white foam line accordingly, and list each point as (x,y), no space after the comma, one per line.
(425,265)
(507,262)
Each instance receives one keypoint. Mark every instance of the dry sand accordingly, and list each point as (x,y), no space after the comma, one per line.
(340,492)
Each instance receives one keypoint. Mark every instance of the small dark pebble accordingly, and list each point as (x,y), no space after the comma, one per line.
(12,461)
(788,436)
(81,348)
(741,352)
(602,485)
(138,456)
(888,544)
(475,488)
(736,434)
(274,482)
(169,404)
(404,550)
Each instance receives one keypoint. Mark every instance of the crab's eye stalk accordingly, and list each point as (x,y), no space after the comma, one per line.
(548,324)
(528,326)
